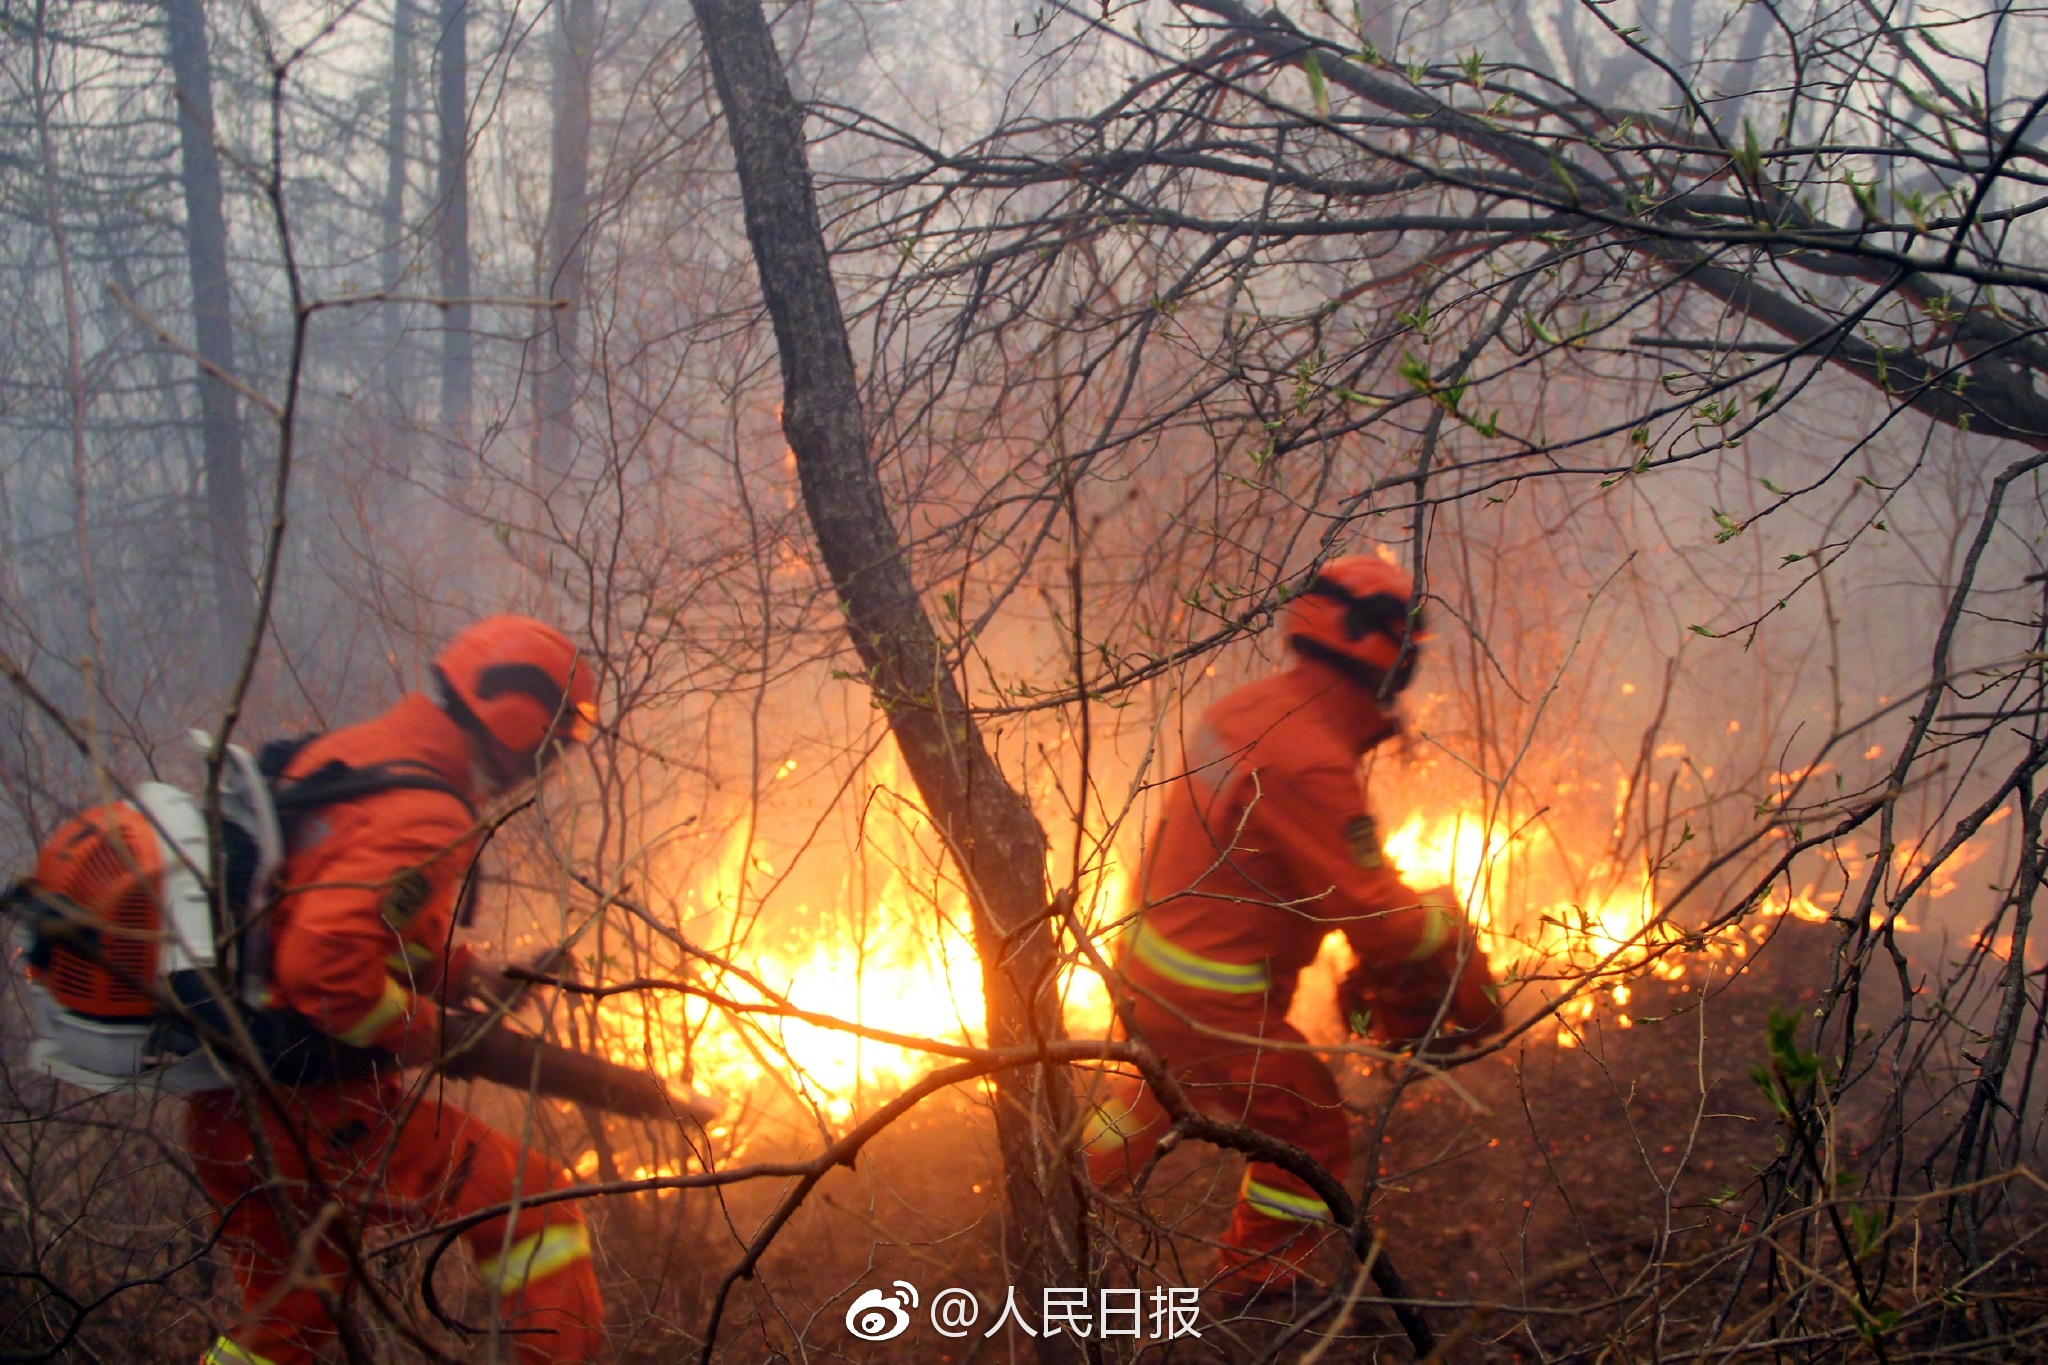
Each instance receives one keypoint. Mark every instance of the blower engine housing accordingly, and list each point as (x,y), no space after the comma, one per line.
(116,910)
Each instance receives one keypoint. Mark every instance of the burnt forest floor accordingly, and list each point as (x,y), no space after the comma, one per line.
(1522,1212)
(1550,1189)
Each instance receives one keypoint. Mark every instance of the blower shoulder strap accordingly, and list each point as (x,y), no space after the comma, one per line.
(335,781)
(276,755)
(293,800)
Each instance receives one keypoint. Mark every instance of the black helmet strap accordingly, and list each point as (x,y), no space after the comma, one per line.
(449,700)
(1378,613)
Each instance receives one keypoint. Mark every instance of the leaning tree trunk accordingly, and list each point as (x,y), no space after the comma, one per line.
(451,237)
(213,333)
(989,829)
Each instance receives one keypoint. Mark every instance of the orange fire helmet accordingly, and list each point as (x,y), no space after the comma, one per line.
(1355,612)
(522,681)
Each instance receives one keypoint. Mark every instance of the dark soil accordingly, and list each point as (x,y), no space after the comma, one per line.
(1576,1167)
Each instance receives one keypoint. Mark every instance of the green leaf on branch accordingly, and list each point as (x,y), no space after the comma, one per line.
(1872,1326)
(1867,1227)
(1791,1065)
(1749,157)
(1415,370)
(1915,205)
(1718,412)
(1641,466)
(1318,89)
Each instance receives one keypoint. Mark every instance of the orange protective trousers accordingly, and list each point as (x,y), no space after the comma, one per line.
(1290,1095)
(440,1164)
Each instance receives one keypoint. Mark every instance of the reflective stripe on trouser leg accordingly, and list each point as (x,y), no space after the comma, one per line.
(1441,918)
(1112,1123)
(1121,1132)
(225,1352)
(554,1248)
(540,1268)
(1274,1202)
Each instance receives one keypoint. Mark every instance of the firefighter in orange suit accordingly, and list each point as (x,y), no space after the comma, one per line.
(362,934)
(1264,846)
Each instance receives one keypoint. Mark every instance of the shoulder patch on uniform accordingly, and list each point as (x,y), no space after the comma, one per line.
(405,895)
(1362,838)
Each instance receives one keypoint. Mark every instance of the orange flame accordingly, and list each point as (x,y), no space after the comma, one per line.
(901,960)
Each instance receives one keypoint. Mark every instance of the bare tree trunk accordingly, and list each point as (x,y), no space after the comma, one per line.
(206,253)
(1678,28)
(1996,57)
(989,829)
(1528,41)
(397,374)
(40,82)
(568,213)
(1747,77)
(452,236)
(1379,23)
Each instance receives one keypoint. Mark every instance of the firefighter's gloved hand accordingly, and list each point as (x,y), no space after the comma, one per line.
(1397,1004)
(474,981)
(1475,997)
(1393,1005)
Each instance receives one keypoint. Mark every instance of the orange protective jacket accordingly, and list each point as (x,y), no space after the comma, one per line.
(363,929)
(1265,845)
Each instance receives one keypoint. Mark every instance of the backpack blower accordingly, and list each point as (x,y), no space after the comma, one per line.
(116,930)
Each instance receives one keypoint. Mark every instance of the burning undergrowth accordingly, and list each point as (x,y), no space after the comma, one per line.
(801,996)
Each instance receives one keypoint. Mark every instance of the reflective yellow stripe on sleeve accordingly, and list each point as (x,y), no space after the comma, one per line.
(1178,965)
(225,1352)
(1110,1125)
(532,1258)
(1278,1203)
(411,958)
(1438,921)
(396,1003)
